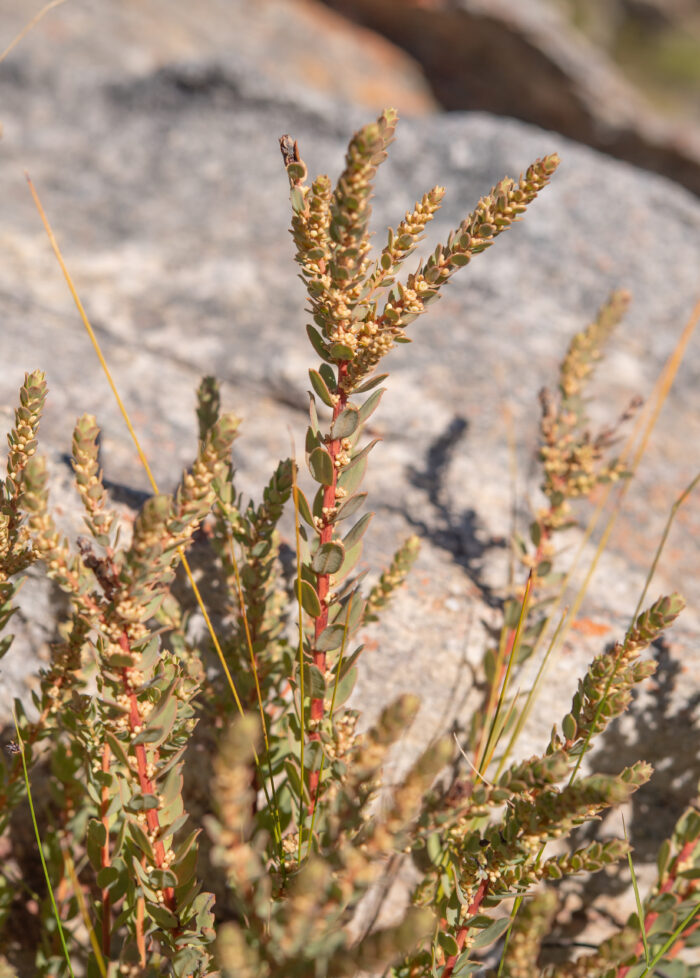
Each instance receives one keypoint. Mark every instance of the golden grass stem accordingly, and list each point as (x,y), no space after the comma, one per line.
(487,752)
(300,610)
(662,543)
(82,906)
(30,26)
(263,718)
(637,897)
(530,699)
(132,432)
(45,868)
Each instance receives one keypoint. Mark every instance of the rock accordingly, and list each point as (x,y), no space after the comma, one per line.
(524,60)
(166,191)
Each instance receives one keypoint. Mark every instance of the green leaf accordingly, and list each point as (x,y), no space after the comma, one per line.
(339,351)
(96,838)
(162,916)
(117,748)
(371,404)
(296,198)
(313,414)
(160,723)
(330,638)
(317,343)
(328,374)
(140,803)
(317,506)
(354,535)
(141,840)
(345,686)
(309,600)
(357,456)
(370,384)
(467,967)
(350,611)
(351,558)
(312,440)
(314,683)
(346,422)
(185,866)
(106,876)
(491,933)
(663,857)
(174,827)
(321,466)
(351,476)
(319,385)
(350,506)
(329,558)
(448,944)
(148,656)
(569,727)
(304,508)
(162,878)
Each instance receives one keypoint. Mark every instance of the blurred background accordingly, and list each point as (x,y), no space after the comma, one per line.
(620,75)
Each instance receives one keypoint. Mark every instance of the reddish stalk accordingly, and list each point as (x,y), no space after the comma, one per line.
(323,582)
(140,914)
(104,855)
(147,785)
(461,934)
(680,860)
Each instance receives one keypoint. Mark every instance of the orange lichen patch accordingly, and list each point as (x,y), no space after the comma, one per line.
(589,627)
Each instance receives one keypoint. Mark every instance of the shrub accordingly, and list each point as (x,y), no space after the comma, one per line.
(128,717)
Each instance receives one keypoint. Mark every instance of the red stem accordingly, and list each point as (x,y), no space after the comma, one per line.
(323,582)
(147,785)
(461,934)
(104,855)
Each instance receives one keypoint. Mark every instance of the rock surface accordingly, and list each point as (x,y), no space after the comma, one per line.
(163,181)
(524,60)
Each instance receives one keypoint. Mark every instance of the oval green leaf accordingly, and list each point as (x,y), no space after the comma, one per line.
(354,535)
(106,876)
(351,477)
(317,343)
(321,466)
(346,422)
(350,506)
(319,385)
(339,351)
(491,933)
(313,414)
(297,200)
(363,453)
(314,683)
(351,558)
(330,638)
(370,404)
(370,384)
(304,508)
(329,558)
(345,686)
(309,600)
